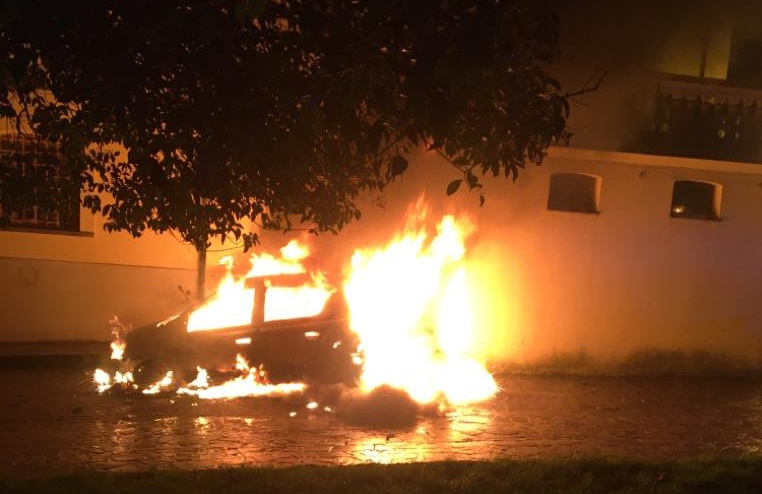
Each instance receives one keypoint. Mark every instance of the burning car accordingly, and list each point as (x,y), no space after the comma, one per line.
(292,324)
(402,315)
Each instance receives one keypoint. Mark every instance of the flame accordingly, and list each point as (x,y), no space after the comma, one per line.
(241,364)
(117,349)
(160,385)
(167,320)
(104,381)
(117,343)
(233,304)
(409,308)
(292,302)
(290,262)
(202,379)
(252,382)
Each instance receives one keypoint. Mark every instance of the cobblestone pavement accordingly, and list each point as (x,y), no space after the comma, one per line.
(52,420)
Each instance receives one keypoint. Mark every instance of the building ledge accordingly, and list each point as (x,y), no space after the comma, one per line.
(53,348)
(653,160)
(707,89)
(41,231)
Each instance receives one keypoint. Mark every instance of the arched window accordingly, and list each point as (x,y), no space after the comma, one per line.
(695,200)
(574,192)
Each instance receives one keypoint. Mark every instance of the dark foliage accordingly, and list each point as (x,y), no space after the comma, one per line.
(568,476)
(280,112)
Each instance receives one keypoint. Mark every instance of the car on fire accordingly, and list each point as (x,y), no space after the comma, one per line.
(319,348)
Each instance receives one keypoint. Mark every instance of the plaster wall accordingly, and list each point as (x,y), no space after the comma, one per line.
(63,287)
(627,279)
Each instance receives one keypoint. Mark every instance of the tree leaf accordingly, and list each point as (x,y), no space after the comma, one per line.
(397,166)
(453,186)
(472,180)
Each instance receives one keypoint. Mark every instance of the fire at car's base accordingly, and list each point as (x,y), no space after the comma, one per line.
(383,407)
(245,381)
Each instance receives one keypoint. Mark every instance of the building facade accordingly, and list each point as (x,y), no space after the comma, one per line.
(642,236)
(638,244)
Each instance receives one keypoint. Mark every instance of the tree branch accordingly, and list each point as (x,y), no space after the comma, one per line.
(586,88)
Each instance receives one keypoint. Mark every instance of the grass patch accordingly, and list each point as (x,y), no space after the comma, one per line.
(727,476)
(640,363)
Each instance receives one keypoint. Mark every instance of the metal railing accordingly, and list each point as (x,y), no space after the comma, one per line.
(702,118)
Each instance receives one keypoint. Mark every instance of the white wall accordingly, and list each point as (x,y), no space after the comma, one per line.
(67,286)
(63,300)
(630,278)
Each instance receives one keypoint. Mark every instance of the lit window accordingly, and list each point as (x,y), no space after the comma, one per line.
(573,192)
(695,200)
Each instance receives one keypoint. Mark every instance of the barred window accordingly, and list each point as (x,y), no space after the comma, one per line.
(35,194)
(573,192)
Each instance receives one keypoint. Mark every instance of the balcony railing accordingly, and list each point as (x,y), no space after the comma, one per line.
(704,119)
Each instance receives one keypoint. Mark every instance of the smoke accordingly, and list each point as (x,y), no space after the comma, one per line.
(382,408)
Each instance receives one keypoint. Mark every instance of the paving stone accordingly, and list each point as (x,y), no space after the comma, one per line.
(534,417)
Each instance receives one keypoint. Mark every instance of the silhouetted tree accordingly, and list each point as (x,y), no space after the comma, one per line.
(280,112)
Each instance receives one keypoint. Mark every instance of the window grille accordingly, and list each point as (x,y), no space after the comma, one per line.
(26,158)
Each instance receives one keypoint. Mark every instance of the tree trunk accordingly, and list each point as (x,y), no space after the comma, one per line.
(201,274)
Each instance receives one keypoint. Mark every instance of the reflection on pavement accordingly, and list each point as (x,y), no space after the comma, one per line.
(61,424)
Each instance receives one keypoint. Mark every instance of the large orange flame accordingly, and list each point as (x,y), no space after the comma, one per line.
(231,306)
(234,302)
(409,306)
